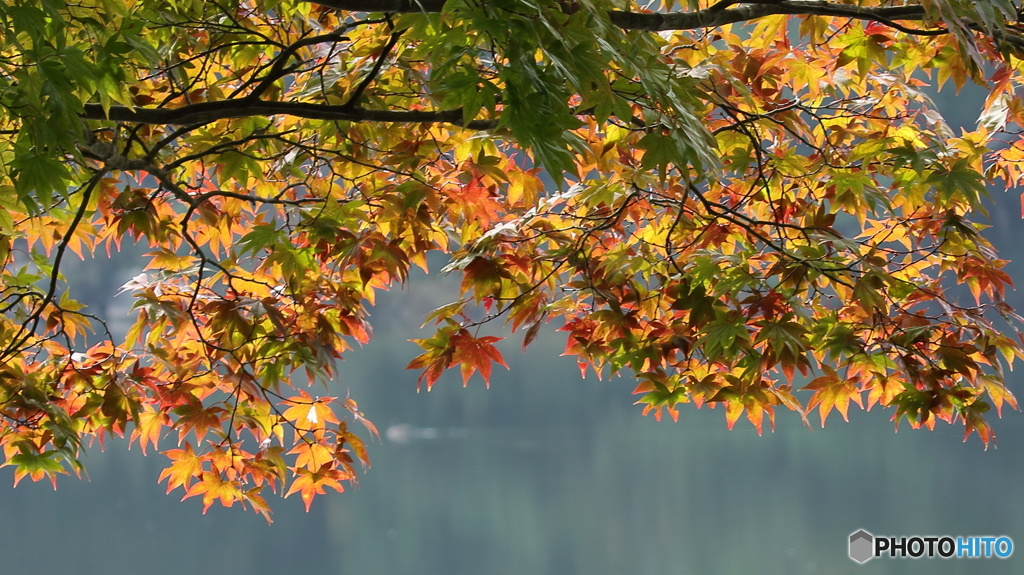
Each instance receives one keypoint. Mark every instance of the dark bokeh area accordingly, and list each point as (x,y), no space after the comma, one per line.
(545,474)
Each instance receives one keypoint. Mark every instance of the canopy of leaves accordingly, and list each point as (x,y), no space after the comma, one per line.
(713,197)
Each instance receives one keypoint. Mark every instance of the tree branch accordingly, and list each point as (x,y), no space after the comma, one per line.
(707,18)
(392,6)
(725,12)
(370,77)
(712,17)
(718,15)
(28,327)
(203,112)
(278,69)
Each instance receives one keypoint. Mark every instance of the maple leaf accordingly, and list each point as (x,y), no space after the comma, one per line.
(353,408)
(259,504)
(474,354)
(457,347)
(998,393)
(311,455)
(187,466)
(308,414)
(484,277)
(197,418)
(148,428)
(35,465)
(436,358)
(660,392)
(214,487)
(975,423)
(832,391)
(308,484)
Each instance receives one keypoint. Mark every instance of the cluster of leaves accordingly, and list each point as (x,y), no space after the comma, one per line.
(713,198)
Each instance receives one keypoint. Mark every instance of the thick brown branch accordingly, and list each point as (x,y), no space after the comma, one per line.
(243,108)
(709,17)
(393,6)
(717,15)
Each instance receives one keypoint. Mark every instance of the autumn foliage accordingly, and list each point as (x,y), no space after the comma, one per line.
(749,206)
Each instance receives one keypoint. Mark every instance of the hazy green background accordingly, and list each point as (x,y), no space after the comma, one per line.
(542,474)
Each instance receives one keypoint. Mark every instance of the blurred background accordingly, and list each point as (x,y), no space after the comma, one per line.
(544,474)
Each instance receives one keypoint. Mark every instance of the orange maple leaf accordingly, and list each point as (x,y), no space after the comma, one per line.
(309,484)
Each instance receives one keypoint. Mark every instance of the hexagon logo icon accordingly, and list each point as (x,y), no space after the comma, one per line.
(861,543)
